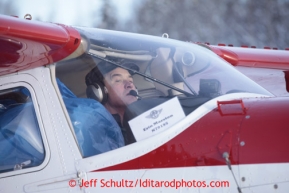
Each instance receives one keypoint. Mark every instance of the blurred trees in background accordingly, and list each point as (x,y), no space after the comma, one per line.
(108,16)
(239,22)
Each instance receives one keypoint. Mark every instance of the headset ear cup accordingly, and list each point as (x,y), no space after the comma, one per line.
(97,92)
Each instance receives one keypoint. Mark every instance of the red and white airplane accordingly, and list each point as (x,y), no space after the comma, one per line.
(199,124)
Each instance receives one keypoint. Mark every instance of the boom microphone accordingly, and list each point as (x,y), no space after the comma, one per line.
(134,93)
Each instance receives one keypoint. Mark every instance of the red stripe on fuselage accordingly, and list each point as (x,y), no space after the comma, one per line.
(259,136)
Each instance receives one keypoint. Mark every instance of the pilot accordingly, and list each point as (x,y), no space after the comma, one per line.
(112,86)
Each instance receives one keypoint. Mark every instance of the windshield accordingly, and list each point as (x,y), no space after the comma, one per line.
(181,65)
(129,74)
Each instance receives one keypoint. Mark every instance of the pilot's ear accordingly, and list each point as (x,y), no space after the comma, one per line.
(97,91)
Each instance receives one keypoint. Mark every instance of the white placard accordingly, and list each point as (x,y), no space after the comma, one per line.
(157,119)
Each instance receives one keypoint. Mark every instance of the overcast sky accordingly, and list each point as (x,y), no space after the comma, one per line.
(69,12)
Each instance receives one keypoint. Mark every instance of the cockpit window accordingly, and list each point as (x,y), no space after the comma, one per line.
(21,143)
(129,74)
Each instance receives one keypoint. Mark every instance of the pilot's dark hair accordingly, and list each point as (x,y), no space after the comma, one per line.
(94,76)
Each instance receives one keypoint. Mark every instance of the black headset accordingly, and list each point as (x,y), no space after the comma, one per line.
(95,86)
(97,92)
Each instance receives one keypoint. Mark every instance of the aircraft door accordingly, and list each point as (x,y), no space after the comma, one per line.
(32,157)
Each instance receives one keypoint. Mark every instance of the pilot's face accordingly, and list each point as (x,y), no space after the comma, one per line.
(118,83)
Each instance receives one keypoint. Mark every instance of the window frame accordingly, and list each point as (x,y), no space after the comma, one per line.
(6,84)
